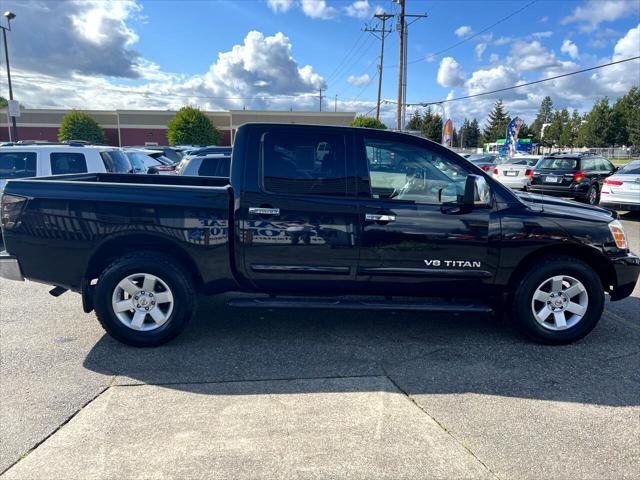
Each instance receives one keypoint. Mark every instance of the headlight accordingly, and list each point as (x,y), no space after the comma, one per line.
(618,234)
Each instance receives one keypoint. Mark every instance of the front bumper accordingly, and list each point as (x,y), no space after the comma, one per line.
(627,270)
(9,267)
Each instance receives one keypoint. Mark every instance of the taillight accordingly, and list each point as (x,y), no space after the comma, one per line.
(578,176)
(10,210)
(529,173)
(486,167)
(495,171)
(616,183)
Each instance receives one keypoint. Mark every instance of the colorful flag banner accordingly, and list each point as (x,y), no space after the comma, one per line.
(447,133)
(513,129)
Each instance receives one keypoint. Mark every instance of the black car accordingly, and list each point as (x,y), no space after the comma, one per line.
(310,217)
(578,176)
(216,149)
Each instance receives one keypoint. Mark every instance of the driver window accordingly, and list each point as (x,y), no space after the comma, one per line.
(399,171)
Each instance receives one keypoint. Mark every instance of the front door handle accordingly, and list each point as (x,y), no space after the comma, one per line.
(379,217)
(267,211)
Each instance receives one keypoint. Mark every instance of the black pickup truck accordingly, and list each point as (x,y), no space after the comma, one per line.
(317,217)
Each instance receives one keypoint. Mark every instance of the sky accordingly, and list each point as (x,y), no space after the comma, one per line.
(278,54)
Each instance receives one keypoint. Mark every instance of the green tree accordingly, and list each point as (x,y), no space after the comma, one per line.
(544,116)
(80,126)
(622,120)
(597,127)
(4,103)
(431,126)
(368,122)
(564,139)
(497,123)
(192,127)
(415,122)
(474,137)
(574,128)
(454,138)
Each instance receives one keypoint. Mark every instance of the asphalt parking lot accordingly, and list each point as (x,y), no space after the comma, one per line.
(295,394)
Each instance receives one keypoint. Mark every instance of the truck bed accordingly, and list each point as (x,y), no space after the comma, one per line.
(70,222)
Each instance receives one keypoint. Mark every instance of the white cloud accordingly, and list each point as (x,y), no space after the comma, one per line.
(362,9)
(280,5)
(463,31)
(450,73)
(494,57)
(317,9)
(479,49)
(595,12)
(359,80)
(492,79)
(503,41)
(545,34)
(619,78)
(569,48)
(531,56)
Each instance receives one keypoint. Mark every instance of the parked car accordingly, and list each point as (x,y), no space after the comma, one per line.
(516,172)
(154,161)
(214,149)
(207,166)
(486,161)
(300,222)
(621,191)
(39,160)
(174,154)
(576,175)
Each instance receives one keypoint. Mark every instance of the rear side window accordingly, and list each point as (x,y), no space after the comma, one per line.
(304,164)
(214,167)
(17,164)
(589,164)
(115,161)
(62,163)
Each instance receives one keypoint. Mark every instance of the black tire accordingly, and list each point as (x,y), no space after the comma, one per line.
(546,268)
(592,197)
(165,268)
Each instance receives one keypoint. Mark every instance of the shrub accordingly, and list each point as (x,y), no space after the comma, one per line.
(192,127)
(368,122)
(80,126)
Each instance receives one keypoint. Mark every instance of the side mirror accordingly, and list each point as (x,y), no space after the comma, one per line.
(476,192)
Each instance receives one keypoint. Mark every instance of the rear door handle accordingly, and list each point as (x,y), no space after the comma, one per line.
(264,211)
(379,217)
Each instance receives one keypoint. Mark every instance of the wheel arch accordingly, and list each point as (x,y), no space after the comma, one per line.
(116,247)
(596,260)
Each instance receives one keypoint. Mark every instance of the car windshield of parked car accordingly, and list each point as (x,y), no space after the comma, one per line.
(558,163)
(115,161)
(632,168)
(408,172)
(17,164)
(477,157)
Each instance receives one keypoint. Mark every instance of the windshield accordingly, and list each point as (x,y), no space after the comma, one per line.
(476,157)
(632,168)
(558,163)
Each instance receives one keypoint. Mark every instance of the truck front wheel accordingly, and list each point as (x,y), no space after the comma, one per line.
(144,299)
(558,301)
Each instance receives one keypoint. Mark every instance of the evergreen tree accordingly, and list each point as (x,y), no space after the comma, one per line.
(622,116)
(474,138)
(431,126)
(598,131)
(463,133)
(415,122)
(553,131)
(544,116)
(454,138)
(368,122)
(574,128)
(497,123)
(564,139)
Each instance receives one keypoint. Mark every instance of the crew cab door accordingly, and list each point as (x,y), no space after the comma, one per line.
(417,236)
(299,215)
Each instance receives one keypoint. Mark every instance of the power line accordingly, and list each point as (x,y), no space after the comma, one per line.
(342,63)
(447,100)
(465,40)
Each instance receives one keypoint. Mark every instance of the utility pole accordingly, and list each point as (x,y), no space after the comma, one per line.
(402,61)
(400,65)
(10,16)
(320,98)
(335,103)
(383,17)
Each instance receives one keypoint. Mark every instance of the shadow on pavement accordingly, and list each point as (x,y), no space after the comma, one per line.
(421,353)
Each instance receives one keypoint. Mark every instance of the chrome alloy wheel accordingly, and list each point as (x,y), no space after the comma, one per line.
(142,302)
(559,302)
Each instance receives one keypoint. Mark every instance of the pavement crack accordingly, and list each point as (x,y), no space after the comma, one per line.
(441,425)
(57,429)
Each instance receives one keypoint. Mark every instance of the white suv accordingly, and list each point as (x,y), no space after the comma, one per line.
(41,160)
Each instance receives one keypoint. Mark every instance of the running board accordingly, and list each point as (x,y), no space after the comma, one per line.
(343,304)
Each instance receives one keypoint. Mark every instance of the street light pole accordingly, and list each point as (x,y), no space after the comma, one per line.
(9,16)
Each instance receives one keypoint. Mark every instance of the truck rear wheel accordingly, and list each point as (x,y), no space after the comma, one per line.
(559,301)
(144,299)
